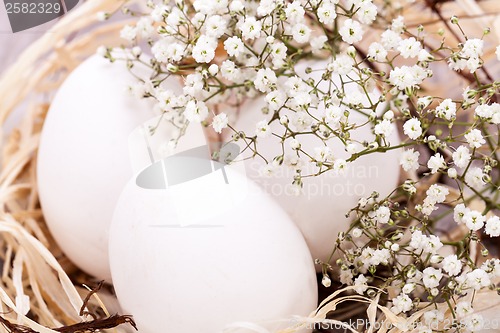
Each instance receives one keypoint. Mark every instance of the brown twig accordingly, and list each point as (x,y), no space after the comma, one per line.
(86,326)
(87,298)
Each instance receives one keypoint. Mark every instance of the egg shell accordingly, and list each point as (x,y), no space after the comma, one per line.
(320,210)
(84,160)
(246,263)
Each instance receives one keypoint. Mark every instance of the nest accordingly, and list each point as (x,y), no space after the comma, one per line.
(40,290)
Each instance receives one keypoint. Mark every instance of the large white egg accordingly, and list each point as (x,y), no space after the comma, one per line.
(83,159)
(320,210)
(204,254)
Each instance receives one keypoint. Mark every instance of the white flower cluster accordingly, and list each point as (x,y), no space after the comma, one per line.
(320,76)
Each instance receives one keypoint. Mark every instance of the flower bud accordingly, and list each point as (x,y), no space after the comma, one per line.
(325,281)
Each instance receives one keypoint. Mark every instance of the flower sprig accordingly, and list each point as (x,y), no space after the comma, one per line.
(320,73)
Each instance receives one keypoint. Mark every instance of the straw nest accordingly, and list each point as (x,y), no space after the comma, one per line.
(40,290)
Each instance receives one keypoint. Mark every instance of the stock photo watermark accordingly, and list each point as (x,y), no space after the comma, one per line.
(24,14)
(361,324)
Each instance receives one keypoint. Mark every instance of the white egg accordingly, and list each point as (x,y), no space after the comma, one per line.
(320,210)
(83,159)
(204,254)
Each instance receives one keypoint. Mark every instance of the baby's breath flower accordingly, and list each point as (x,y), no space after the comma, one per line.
(474,220)
(220,122)
(351,31)
(412,128)
(409,48)
(326,13)
(409,160)
(360,284)
(447,109)
(196,111)
(432,277)
(474,177)
(251,28)
(436,163)
(493,226)
(234,46)
(461,157)
(262,129)
(452,265)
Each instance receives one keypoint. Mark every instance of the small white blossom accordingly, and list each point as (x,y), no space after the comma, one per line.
(493,226)
(323,154)
(424,55)
(213,69)
(351,31)
(262,129)
(478,279)
(275,99)
(377,52)
(409,159)
(220,122)
(294,12)
(390,39)
(447,109)
(474,177)
(342,64)
(251,28)
(345,277)
(409,48)
(452,265)
(144,27)
(474,323)
(128,33)
(102,16)
(326,13)
(339,166)
(474,220)
(158,12)
(437,193)
(402,303)
(463,309)
(459,213)
(236,6)
(452,173)
(204,50)
(433,317)
(196,111)
(356,232)
(266,7)
(229,70)
(407,77)
(436,162)
(424,102)
(360,284)
(408,288)
(301,33)
(102,51)
(412,128)
(367,12)
(475,138)
(473,48)
(461,157)
(317,43)
(384,128)
(398,24)
(234,46)
(265,79)
(432,276)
